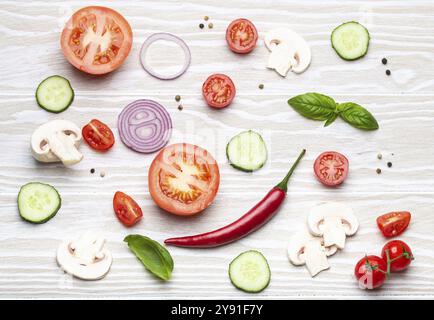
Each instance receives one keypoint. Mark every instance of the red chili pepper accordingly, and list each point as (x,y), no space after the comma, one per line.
(256,217)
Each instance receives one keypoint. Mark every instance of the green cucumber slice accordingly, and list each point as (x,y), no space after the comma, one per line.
(38,202)
(247,151)
(250,272)
(54,94)
(350,40)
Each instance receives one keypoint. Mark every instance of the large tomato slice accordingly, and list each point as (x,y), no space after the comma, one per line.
(331,168)
(241,36)
(218,91)
(183,179)
(393,223)
(96,40)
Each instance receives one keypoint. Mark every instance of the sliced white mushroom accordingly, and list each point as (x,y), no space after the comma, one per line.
(334,222)
(85,258)
(305,249)
(289,51)
(56,141)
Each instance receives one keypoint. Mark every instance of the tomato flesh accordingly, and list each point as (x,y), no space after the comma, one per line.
(98,135)
(96,40)
(399,254)
(393,223)
(218,91)
(127,210)
(331,168)
(241,36)
(370,272)
(183,179)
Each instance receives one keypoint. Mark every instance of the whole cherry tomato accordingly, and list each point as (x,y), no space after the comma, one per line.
(370,272)
(399,255)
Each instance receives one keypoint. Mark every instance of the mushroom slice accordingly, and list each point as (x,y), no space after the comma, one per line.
(289,51)
(85,258)
(56,141)
(309,250)
(333,221)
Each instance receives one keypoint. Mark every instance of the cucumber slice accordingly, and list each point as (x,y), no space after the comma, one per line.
(350,40)
(54,94)
(38,202)
(247,151)
(250,272)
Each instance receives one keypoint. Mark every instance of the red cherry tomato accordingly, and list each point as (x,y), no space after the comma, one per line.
(98,135)
(241,36)
(398,253)
(393,223)
(370,272)
(331,168)
(218,91)
(126,209)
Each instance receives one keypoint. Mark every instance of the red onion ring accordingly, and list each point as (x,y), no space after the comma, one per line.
(168,37)
(145,126)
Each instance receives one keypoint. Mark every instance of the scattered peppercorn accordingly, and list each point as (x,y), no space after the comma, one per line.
(379,156)
(384,61)
(389,164)
(388,72)
(261,86)
(180,107)
(201,26)
(102,174)
(210,25)
(206,18)
(177,97)
(92,170)
(378,171)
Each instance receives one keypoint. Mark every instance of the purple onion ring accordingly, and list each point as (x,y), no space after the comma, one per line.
(145,126)
(168,37)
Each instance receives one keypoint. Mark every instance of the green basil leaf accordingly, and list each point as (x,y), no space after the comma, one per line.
(313,106)
(331,119)
(357,116)
(154,256)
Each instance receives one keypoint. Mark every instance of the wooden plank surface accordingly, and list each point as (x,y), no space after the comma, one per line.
(402,103)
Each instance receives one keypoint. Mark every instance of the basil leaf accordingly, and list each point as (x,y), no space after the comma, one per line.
(331,119)
(154,256)
(313,106)
(357,116)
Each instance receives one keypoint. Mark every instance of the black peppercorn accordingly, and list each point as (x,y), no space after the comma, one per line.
(388,72)
(92,170)
(384,61)
(389,164)
(201,26)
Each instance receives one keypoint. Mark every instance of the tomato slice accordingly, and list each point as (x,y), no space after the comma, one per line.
(393,223)
(98,135)
(241,36)
(126,209)
(218,91)
(331,168)
(183,179)
(96,40)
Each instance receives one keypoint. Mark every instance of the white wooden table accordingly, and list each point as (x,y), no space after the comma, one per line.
(401,31)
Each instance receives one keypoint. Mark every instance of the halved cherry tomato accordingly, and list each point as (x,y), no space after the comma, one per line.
(218,91)
(241,36)
(370,272)
(398,253)
(98,135)
(96,40)
(331,168)
(183,179)
(393,223)
(126,209)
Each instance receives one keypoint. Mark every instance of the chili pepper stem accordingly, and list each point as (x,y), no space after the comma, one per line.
(283,185)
